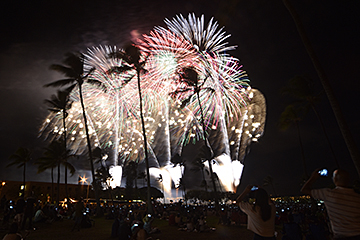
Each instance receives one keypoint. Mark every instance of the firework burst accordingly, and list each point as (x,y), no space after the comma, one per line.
(232,117)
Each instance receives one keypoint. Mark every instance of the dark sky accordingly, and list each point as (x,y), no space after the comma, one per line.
(36,34)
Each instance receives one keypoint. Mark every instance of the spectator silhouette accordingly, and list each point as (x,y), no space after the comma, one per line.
(342,204)
(261,215)
(29,211)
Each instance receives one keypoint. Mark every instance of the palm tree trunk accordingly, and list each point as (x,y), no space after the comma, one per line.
(203,177)
(58,185)
(90,152)
(148,199)
(65,160)
(351,145)
(110,193)
(207,144)
(52,185)
(24,182)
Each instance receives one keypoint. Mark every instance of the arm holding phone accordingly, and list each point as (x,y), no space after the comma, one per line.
(306,189)
(246,191)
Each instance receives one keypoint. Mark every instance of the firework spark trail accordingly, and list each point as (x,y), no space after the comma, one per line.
(117,93)
(227,98)
(221,72)
(193,30)
(168,54)
(114,114)
(227,104)
(232,118)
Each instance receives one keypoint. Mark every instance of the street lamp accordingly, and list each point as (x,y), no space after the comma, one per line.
(83,180)
(2,186)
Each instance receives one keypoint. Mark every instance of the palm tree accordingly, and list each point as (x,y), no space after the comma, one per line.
(74,71)
(190,77)
(291,116)
(20,158)
(131,57)
(104,177)
(61,103)
(199,166)
(300,88)
(349,140)
(56,155)
(102,174)
(43,165)
(130,172)
(142,175)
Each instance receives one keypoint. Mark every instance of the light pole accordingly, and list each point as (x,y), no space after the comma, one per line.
(83,180)
(2,186)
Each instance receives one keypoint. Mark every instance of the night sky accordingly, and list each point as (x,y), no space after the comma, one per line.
(36,34)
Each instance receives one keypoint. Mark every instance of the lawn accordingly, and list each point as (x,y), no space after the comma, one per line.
(102,230)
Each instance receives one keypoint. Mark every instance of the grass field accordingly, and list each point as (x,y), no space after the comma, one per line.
(102,230)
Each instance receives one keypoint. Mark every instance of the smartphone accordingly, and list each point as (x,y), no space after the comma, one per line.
(323,172)
(254,188)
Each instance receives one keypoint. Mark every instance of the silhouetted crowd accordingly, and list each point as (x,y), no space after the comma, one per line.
(296,218)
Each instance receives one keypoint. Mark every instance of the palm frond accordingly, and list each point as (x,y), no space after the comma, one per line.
(119,69)
(61,83)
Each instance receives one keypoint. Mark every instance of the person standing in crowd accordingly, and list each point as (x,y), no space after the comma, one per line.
(261,214)
(29,210)
(342,204)
(125,230)
(79,211)
(19,210)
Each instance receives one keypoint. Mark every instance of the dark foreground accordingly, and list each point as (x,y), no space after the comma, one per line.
(102,230)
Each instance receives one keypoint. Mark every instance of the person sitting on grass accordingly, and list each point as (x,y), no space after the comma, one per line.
(40,216)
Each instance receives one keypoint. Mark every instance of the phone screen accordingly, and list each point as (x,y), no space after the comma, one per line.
(323,172)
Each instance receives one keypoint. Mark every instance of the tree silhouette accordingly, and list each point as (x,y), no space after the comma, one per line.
(73,69)
(189,76)
(291,116)
(199,166)
(130,172)
(20,158)
(61,103)
(300,88)
(132,59)
(45,164)
(349,140)
(56,155)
